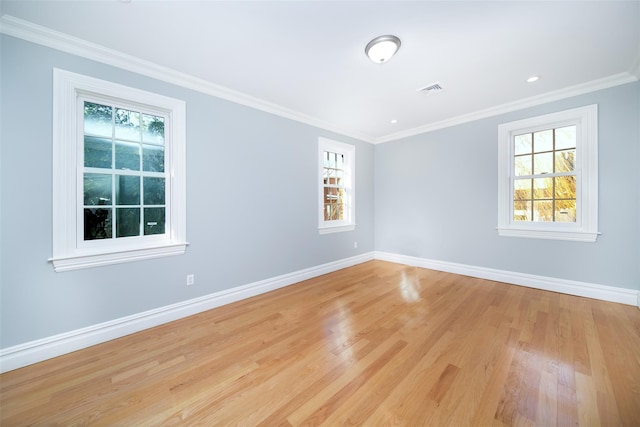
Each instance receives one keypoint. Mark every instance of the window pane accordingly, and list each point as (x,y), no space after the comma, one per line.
(542,163)
(97,189)
(332,160)
(127,222)
(127,190)
(330,195)
(97,152)
(543,141)
(565,187)
(543,188)
(522,211)
(565,160)
(153,221)
(127,155)
(325,176)
(154,191)
(327,212)
(523,165)
(340,161)
(153,158)
(127,124)
(542,210)
(152,129)
(566,211)
(97,119)
(522,144)
(97,224)
(566,137)
(333,212)
(522,189)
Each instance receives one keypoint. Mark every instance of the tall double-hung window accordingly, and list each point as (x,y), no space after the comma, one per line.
(337,189)
(548,176)
(119,166)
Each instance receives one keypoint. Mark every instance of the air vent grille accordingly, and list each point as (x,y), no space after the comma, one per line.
(430,89)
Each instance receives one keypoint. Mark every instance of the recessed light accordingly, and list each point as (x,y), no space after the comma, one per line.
(394,121)
(533,79)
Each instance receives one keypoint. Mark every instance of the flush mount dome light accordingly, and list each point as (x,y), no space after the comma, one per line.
(382,48)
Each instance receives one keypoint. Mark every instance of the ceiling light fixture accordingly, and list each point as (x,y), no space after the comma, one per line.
(533,79)
(382,48)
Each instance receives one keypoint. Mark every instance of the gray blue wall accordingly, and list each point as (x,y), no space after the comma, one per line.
(252,202)
(436,197)
(252,197)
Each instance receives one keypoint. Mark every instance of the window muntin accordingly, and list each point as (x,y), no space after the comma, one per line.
(119,177)
(333,178)
(548,176)
(123,176)
(336,189)
(544,185)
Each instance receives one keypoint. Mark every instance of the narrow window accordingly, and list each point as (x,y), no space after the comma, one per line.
(337,190)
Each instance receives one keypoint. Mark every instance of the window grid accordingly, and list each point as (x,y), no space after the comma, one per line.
(545,189)
(116,217)
(334,188)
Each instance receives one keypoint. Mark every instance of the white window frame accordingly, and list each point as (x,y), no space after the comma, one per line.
(585,228)
(349,152)
(69,253)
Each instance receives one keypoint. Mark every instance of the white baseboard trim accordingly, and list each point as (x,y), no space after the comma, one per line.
(36,351)
(571,287)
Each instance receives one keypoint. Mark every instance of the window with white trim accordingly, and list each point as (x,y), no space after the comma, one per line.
(548,176)
(337,189)
(118,173)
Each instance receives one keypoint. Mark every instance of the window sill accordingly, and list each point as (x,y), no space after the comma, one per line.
(336,229)
(576,236)
(77,262)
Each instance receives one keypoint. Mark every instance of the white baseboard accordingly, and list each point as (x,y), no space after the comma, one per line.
(32,352)
(582,289)
(36,351)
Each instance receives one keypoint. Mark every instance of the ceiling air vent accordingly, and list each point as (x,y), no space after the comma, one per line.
(431,89)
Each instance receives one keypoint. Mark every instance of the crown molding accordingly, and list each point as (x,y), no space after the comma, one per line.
(44,36)
(592,86)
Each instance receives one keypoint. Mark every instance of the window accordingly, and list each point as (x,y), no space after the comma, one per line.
(548,176)
(118,173)
(337,191)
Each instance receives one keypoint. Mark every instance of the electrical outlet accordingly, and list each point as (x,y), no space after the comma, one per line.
(190,279)
(355,245)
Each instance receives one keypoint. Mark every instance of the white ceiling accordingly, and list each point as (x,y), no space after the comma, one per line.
(307,57)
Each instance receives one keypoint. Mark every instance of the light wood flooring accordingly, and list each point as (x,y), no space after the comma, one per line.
(376,344)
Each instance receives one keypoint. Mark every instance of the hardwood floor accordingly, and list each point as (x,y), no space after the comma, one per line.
(376,344)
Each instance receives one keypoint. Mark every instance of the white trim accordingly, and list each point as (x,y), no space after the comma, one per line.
(349,151)
(571,91)
(570,287)
(44,36)
(67,253)
(336,229)
(88,261)
(585,228)
(46,348)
